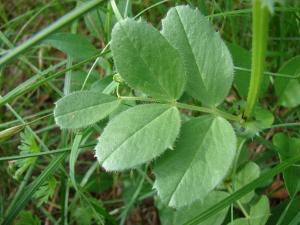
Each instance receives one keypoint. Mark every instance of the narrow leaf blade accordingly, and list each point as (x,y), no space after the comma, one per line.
(75,45)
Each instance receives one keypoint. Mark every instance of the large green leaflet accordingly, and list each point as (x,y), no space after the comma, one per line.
(146,60)
(201,159)
(137,135)
(84,108)
(206,58)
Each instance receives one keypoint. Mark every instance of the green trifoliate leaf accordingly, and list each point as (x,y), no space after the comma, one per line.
(75,45)
(289,147)
(206,57)
(259,214)
(245,175)
(170,216)
(287,89)
(201,159)
(137,135)
(146,60)
(260,211)
(84,108)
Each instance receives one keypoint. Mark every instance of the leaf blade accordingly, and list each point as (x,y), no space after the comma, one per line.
(146,60)
(206,150)
(84,108)
(137,135)
(206,58)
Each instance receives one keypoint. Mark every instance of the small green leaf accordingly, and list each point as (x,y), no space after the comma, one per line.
(286,89)
(138,135)
(245,175)
(201,159)
(146,60)
(84,108)
(206,57)
(27,218)
(28,146)
(259,214)
(263,119)
(45,191)
(75,45)
(289,147)
(260,211)
(181,216)
(83,215)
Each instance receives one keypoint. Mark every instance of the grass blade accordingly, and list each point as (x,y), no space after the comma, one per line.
(31,189)
(74,14)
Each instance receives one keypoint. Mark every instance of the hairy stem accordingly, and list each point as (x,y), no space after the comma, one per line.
(260,24)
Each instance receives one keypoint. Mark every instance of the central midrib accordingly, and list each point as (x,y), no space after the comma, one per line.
(190,48)
(145,63)
(133,134)
(192,161)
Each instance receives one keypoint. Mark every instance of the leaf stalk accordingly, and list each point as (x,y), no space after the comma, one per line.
(180,105)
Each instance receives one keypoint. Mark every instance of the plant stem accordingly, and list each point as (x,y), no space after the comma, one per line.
(239,204)
(214,111)
(133,98)
(180,105)
(260,25)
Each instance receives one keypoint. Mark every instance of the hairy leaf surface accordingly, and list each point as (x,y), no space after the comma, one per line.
(201,159)
(206,58)
(84,108)
(146,60)
(137,135)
